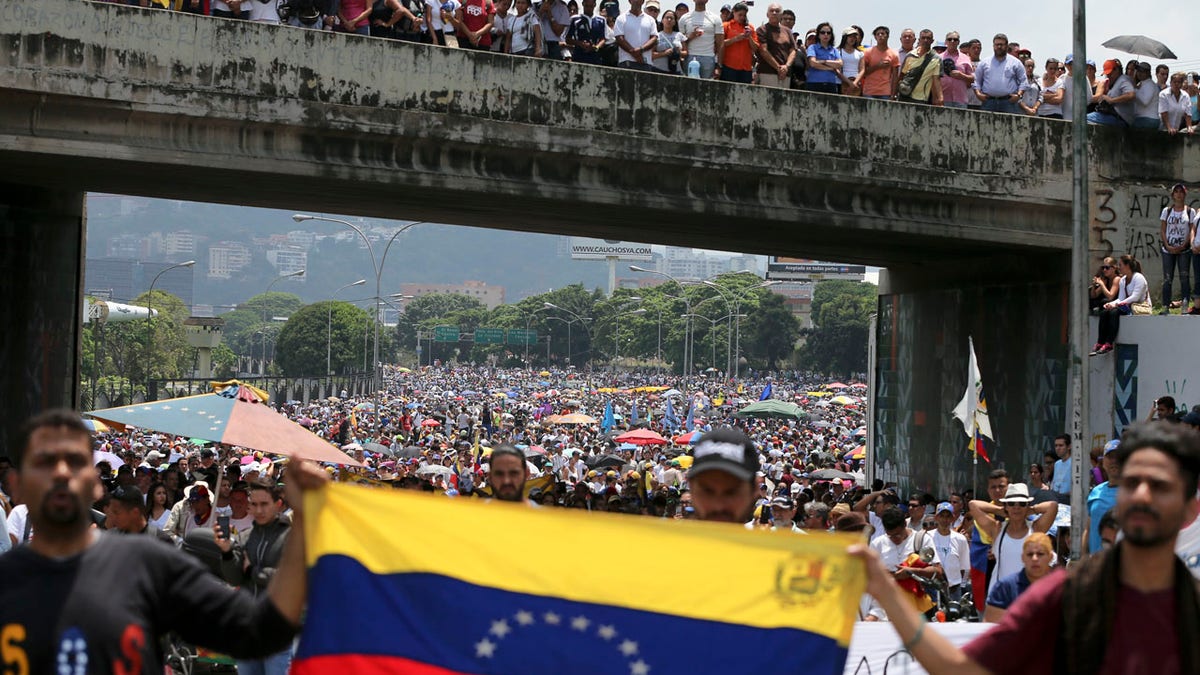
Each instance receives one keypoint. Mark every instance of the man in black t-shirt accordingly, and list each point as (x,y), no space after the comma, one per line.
(75,599)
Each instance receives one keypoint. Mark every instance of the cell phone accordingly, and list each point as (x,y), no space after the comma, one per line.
(223,523)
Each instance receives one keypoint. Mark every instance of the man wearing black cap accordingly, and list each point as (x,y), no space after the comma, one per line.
(127,513)
(722,476)
(783,514)
(207,471)
(1145,98)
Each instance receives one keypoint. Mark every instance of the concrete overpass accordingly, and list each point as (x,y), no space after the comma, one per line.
(99,97)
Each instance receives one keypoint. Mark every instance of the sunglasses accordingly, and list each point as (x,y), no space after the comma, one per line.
(952,39)
(1106,267)
(825,32)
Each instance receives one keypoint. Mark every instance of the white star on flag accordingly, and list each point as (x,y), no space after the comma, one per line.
(607,632)
(580,623)
(500,628)
(485,648)
(551,618)
(639,667)
(629,648)
(525,618)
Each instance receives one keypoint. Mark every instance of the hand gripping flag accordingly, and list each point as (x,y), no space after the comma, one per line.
(971,411)
(417,599)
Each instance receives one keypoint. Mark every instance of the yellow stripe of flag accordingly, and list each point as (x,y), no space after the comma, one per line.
(731,575)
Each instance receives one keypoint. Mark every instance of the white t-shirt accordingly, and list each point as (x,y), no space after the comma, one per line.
(433,10)
(955,554)
(1179,226)
(705,44)
(1145,100)
(558,14)
(1174,107)
(636,30)
(263,12)
(850,61)
(1047,109)
(522,32)
(16,522)
(892,555)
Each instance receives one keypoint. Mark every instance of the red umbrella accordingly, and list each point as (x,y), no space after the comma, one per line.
(641,437)
(431,423)
(687,438)
(836,385)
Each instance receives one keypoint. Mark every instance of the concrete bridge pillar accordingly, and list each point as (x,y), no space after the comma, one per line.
(1016,311)
(41,279)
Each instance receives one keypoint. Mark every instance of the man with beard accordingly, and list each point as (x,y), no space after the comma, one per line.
(1115,612)
(57,608)
(508,474)
(722,476)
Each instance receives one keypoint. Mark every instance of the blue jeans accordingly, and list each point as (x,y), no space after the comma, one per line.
(1196,276)
(1002,105)
(276,664)
(1106,119)
(707,65)
(1171,262)
(1146,123)
(954,104)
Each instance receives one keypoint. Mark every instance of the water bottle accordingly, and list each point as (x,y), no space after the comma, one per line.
(694,68)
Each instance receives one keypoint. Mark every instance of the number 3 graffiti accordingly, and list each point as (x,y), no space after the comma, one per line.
(1102,223)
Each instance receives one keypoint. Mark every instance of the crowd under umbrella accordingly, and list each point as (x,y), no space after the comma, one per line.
(773,409)
(830,474)
(642,437)
(607,462)
(235,415)
(378,449)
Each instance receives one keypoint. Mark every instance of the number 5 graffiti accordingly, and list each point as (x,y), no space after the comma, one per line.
(1102,223)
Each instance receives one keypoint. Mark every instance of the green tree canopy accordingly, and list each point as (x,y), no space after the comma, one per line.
(303,341)
(837,342)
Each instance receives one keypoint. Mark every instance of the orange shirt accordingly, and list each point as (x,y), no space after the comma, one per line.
(879,82)
(739,55)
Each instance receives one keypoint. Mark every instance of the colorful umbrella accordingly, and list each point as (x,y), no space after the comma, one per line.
(235,416)
(365,406)
(836,385)
(772,408)
(687,438)
(430,422)
(575,418)
(842,400)
(641,437)
(97,427)
(857,453)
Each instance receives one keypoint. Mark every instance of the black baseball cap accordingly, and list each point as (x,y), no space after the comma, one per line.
(129,496)
(783,502)
(725,449)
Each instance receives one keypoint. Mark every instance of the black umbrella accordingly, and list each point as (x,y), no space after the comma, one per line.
(607,462)
(408,453)
(379,449)
(1140,45)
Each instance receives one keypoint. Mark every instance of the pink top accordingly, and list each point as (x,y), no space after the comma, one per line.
(955,91)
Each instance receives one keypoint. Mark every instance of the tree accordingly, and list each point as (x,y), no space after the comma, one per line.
(837,342)
(224,362)
(421,311)
(240,326)
(770,331)
(303,340)
(169,354)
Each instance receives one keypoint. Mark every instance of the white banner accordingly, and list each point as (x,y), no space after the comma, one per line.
(876,648)
(583,248)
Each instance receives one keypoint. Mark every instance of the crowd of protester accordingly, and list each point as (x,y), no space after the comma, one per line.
(696,41)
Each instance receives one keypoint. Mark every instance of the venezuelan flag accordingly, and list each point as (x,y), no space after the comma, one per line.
(412,583)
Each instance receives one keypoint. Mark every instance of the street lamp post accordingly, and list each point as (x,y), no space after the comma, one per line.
(582,321)
(687,326)
(617,334)
(281,277)
(150,320)
(329,330)
(378,268)
(736,308)
(712,330)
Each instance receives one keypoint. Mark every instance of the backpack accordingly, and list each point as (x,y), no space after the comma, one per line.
(908,82)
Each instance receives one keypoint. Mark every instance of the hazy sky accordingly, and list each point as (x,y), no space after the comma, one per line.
(1043,27)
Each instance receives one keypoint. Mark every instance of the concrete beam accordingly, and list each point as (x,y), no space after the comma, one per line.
(482,139)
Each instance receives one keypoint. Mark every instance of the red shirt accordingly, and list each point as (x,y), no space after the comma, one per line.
(739,55)
(1144,637)
(475,16)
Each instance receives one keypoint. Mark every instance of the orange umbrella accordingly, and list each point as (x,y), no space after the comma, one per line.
(575,418)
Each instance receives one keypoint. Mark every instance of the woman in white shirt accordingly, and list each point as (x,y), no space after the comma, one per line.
(1133,291)
(525,33)
(848,50)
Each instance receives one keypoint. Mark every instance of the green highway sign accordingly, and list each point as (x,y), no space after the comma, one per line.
(522,337)
(445,333)
(489,336)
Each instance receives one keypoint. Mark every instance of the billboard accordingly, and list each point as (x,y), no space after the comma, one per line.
(785,269)
(584,248)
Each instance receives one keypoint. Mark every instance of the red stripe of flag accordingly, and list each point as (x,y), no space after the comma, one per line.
(363,664)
